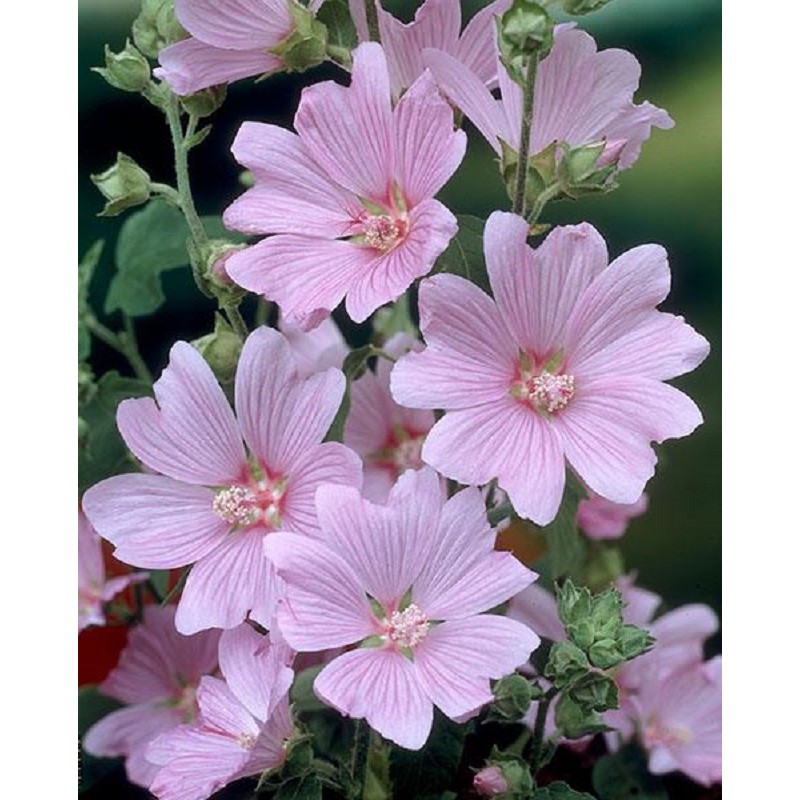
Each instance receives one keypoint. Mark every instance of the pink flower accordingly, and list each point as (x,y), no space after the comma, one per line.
(410,580)
(387,436)
(581,97)
(679,716)
(437,24)
(230,40)
(212,503)
(490,782)
(350,197)
(317,350)
(566,363)
(93,588)
(599,518)
(242,727)
(157,677)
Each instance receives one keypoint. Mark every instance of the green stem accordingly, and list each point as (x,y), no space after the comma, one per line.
(262,311)
(542,200)
(525,135)
(499,513)
(177,587)
(538,729)
(237,321)
(169,193)
(358,763)
(132,350)
(372,21)
(125,344)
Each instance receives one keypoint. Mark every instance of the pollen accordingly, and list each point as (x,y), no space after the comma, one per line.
(382,232)
(237,505)
(552,392)
(246,741)
(408,627)
(666,735)
(408,454)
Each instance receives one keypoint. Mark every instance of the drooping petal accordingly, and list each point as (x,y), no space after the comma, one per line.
(270,747)
(316,350)
(381,686)
(599,518)
(325,606)
(226,585)
(633,127)
(306,277)
(463,575)
(292,194)
(470,357)
(191,65)
(191,435)
(236,24)
(476,47)
(430,228)
(280,414)
(348,131)
(155,522)
(456,659)
(387,546)
(469,93)
(427,149)
(536,290)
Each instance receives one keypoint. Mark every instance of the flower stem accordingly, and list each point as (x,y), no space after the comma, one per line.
(236,320)
(537,744)
(372,21)
(525,135)
(358,763)
(123,343)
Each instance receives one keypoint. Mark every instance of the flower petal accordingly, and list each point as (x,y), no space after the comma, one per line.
(476,47)
(236,24)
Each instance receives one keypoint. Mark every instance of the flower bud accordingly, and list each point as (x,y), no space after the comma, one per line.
(525,30)
(128,70)
(156,27)
(124,185)
(490,782)
(306,46)
(512,698)
(206,101)
(221,349)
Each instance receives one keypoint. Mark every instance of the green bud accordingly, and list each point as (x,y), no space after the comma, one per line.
(221,349)
(392,319)
(582,633)
(580,7)
(128,70)
(578,163)
(604,567)
(205,102)
(589,169)
(124,185)
(607,613)
(156,27)
(605,654)
(574,720)
(512,698)
(634,641)
(595,692)
(307,45)
(574,602)
(524,31)
(514,773)
(213,257)
(566,663)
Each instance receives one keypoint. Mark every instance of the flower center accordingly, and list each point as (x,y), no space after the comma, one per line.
(547,389)
(408,627)
(382,231)
(244,506)
(408,454)
(186,703)
(666,735)
(246,741)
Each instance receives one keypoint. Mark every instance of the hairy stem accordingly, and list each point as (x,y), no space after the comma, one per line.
(525,135)
(537,742)
(236,320)
(358,762)
(123,343)
(372,21)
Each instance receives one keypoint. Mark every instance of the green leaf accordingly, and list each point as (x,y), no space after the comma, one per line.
(559,791)
(92,707)
(464,255)
(302,692)
(159,578)
(102,452)
(565,545)
(430,771)
(86,268)
(335,15)
(306,788)
(84,342)
(624,776)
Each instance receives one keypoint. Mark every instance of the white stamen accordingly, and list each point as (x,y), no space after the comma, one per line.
(237,505)
(409,627)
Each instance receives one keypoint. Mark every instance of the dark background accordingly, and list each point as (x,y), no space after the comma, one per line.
(671,196)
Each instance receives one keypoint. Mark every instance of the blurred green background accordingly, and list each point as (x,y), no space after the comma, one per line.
(671,196)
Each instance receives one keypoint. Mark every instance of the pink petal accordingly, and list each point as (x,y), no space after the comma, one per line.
(292,194)
(281,415)
(619,299)
(270,749)
(456,659)
(153,521)
(386,546)
(117,585)
(255,669)
(381,686)
(91,570)
(329,463)
(304,276)
(191,65)
(536,290)
(504,440)
(192,434)
(325,605)
(369,423)
(348,132)
(470,358)
(537,608)
(633,127)
(464,575)
(221,710)
(640,604)
(476,48)
(316,350)
(686,626)
(427,149)
(431,227)
(469,93)
(236,24)
(599,518)
(226,585)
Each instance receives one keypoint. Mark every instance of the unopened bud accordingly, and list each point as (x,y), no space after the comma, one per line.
(206,101)
(124,185)
(128,70)
(512,698)
(221,349)
(306,46)
(490,782)
(156,27)
(524,31)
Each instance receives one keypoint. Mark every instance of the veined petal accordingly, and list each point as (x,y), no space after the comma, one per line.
(153,521)
(236,24)
(191,435)
(191,65)
(537,608)
(325,605)
(381,686)
(476,47)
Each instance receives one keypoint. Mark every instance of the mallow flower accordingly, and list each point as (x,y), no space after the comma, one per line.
(581,97)
(599,518)
(348,199)
(157,678)
(209,501)
(565,365)
(410,581)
